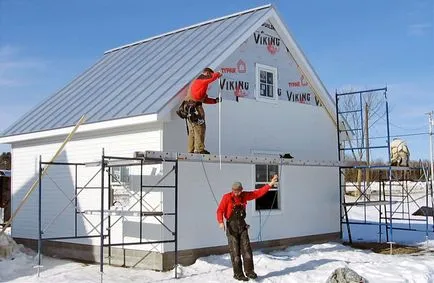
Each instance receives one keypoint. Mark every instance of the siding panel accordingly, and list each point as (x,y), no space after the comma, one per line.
(58,185)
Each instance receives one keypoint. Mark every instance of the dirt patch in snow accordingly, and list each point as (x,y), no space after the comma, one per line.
(384,248)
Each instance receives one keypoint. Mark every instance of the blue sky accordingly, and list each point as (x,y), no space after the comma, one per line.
(44,44)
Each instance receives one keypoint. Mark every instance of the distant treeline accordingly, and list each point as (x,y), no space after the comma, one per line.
(415,174)
(5,161)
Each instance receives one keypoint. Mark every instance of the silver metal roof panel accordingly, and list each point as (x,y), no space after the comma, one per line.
(140,78)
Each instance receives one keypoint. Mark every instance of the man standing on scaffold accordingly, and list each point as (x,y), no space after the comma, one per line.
(233,208)
(196,95)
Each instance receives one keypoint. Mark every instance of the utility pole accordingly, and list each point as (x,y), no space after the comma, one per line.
(368,161)
(430,117)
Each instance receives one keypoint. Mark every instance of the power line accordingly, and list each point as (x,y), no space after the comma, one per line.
(404,135)
(407,129)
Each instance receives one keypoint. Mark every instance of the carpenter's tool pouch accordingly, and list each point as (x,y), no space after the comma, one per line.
(181,112)
(188,110)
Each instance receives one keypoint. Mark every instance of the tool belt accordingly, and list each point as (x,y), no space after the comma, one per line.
(189,110)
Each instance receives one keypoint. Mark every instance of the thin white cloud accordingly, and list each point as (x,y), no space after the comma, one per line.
(7,50)
(13,66)
(419,29)
(409,103)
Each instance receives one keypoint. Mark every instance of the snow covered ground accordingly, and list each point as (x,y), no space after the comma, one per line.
(304,263)
(403,208)
(307,263)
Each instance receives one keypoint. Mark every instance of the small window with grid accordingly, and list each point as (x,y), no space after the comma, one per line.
(266,82)
(271,200)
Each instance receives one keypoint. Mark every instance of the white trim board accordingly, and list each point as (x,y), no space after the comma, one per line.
(84,128)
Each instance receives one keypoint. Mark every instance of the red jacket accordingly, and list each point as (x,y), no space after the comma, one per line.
(226,205)
(199,87)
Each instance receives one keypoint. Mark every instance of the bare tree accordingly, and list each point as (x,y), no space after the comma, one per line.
(361,112)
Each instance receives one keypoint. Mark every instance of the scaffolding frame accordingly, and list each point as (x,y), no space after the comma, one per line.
(388,175)
(158,157)
(141,159)
(106,163)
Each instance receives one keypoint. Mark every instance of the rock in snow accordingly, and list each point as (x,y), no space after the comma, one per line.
(345,275)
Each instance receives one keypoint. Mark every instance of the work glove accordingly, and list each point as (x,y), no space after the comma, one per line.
(218,100)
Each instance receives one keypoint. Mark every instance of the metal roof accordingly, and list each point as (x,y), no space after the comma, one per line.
(139,78)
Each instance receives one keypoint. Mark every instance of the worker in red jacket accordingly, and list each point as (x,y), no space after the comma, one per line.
(233,208)
(196,95)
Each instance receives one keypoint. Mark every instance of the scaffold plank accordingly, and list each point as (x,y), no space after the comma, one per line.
(157,157)
(238,159)
(123,163)
(353,165)
(369,203)
(112,212)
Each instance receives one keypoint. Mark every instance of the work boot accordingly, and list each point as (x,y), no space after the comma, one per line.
(204,152)
(240,277)
(251,275)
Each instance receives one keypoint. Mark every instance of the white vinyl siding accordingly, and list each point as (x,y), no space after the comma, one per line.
(58,185)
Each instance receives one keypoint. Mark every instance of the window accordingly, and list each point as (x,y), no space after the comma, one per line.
(266,82)
(120,175)
(263,175)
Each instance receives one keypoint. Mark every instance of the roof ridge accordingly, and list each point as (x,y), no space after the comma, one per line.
(190,27)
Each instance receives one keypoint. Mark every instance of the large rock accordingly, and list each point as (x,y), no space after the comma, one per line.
(345,275)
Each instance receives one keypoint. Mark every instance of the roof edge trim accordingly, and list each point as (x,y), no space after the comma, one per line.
(304,65)
(190,27)
(82,129)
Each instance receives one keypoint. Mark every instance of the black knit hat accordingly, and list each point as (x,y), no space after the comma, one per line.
(208,70)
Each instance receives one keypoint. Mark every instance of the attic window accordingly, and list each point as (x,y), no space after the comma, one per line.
(266,83)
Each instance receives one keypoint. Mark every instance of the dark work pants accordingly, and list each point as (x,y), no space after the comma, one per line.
(239,245)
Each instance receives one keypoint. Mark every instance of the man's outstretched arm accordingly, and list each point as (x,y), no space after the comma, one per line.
(261,191)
